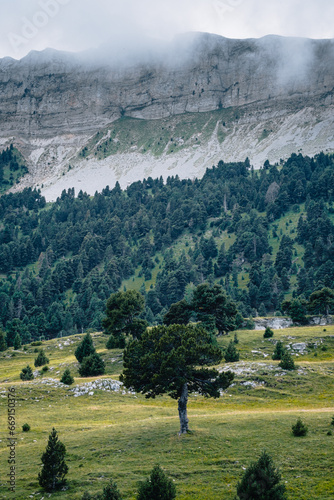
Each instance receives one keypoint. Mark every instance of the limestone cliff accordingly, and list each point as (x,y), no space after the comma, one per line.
(52,103)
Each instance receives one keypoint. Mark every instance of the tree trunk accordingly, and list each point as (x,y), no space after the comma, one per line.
(182,406)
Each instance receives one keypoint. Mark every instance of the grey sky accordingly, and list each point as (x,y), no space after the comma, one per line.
(79,24)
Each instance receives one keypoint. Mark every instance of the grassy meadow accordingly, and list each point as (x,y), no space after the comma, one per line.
(122,435)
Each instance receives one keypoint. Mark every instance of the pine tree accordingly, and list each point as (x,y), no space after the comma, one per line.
(92,366)
(278,351)
(17,342)
(26,374)
(299,429)
(41,359)
(231,353)
(111,492)
(54,469)
(287,362)
(157,487)
(85,348)
(261,480)
(3,343)
(67,377)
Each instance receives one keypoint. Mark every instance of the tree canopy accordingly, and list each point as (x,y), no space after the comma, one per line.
(122,311)
(172,360)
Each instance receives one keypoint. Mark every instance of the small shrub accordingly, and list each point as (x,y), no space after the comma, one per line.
(268,333)
(36,343)
(41,359)
(324,348)
(236,340)
(67,377)
(26,374)
(332,422)
(299,429)
(330,432)
(287,363)
(26,427)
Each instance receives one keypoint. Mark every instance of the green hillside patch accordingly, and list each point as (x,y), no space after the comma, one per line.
(165,135)
(121,435)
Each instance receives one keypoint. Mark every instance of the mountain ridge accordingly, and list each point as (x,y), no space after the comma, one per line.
(51,106)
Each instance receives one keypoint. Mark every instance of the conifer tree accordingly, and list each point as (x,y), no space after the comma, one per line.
(261,480)
(231,353)
(157,486)
(92,366)
(54,469)
(85,348)
(17,342)
(41,359)
(299,428)
(278,351)
(3,343)
(171,360)
(67,377)
(27,373)
(287,362)
(111,492)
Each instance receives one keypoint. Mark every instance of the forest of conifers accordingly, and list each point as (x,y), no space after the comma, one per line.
(59,262)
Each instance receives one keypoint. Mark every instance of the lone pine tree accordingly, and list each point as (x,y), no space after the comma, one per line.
(170,360)
(54,469)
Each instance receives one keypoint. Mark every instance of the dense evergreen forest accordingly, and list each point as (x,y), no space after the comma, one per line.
(60,262)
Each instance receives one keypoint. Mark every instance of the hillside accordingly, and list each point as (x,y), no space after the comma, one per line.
(109,432)
(265,236)
(260,98)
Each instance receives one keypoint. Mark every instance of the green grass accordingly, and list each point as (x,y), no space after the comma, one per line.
(123,435)
(166,135)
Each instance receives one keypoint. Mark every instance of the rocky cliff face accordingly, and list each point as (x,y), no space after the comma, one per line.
(51,103)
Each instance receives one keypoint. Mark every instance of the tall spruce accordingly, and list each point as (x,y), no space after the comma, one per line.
(54,469)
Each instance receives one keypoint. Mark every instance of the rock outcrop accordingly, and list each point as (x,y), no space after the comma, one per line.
(58,100)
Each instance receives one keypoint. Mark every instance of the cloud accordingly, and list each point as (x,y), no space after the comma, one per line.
(79,24)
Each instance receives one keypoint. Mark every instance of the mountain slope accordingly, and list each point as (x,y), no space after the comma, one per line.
(269,97)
